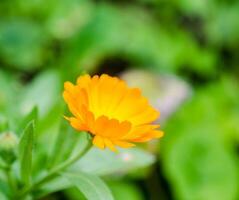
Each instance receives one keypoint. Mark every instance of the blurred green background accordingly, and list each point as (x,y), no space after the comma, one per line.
(184,54)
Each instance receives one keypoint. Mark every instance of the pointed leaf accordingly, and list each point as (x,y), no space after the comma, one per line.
(25,152)
(91,186)
(30,116)
(58,184)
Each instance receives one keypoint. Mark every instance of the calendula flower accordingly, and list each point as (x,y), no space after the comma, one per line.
(113,113)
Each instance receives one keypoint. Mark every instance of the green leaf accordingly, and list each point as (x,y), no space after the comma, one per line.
(22,43)
(58,184)
(65,149)
(2,196)
(30,116)
(197,155)
(199,167)
(76,143)
(106,162)
(56,154)
(223,28)
(25,152)
(4,189)
(74,193)
(4,124)
(60,143)
(91,186)
(35,93)
(125,190)
(10,91)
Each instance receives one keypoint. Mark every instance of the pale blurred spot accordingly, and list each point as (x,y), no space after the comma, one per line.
(127,157)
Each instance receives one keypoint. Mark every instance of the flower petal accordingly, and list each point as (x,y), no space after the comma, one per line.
(99,142)
(115,114)
(109,144)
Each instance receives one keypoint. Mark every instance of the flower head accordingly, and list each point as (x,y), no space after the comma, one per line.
(113,113)
(8,144)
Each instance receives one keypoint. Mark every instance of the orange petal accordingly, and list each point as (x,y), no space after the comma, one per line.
(111,128)
(99,142)
(123,144)
(109,144)
(109,109)
(139,131)
(77,124)
(148,116)
(149,135)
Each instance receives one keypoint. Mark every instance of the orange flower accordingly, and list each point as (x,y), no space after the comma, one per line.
(113,113)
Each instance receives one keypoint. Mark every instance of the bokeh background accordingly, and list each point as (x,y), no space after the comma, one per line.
(184,54)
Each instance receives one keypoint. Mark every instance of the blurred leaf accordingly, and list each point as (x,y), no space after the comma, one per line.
(46,130)
(55,185)
(43,92)
(9,92)
(63,148)
(142,41)
(74,194)
(66,17)
(76,143)
(2,196)
(108,163)
(197,7)
(194,166)
(4,189)
(50,122)
(4,124)
(91,186)
(56,154)
(21,43)
(29,117)
(26,144)
(125,190)
(222,27)
(198,143)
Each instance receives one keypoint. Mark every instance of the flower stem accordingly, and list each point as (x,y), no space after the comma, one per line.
(54,172)
(10,179)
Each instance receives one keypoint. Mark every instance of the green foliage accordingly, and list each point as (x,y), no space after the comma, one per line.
(10,89)
(2,196)
(198,172)
(33,93)
(91,186)
(98,163)
(61,149)
(74,194)
(33,115)
(26,145)
(21,43)
(86,33)
(125,190)
(43,43)
(108,163)
(39,171)
(198,157)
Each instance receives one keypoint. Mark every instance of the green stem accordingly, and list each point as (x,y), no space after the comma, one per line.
(10,179)
(63,166)
(54,172)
